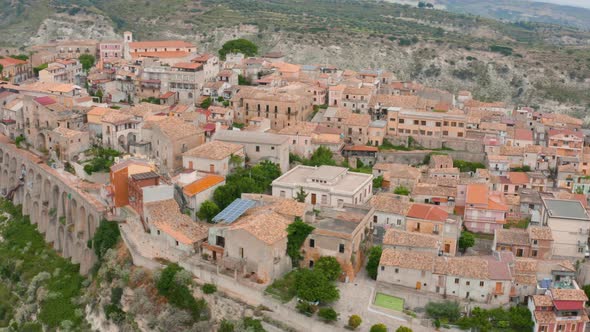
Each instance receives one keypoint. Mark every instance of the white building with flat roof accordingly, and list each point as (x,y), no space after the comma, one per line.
(570,224)
(325,185)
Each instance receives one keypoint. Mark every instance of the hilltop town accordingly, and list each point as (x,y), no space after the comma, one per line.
(320,196)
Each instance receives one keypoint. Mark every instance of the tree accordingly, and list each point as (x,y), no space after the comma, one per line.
(242,80)
(297,232)
(178,294)
(87,61)
(22,57)
(321,156)
(226,326)
(354,321)
(207,211)
(378,328)
(586,289)
(301,195)
(378,182)
(240,45)
(312,286)
(329,266)
(1,69)
(39,68)
(447,310)
(206,103)
(401,190)
(466,240)
(106,237)
(403,329)
(328,314)
(99,94)
(373,261)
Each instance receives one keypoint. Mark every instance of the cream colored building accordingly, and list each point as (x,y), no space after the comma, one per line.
(214,157)
(325,185)
(570,225)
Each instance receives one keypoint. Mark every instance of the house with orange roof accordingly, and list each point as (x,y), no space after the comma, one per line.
(201,190)
(253,243)
(561,308)
(174,231)
(215,157)
(15,70)
(512,183)
(485,210)
(520,137)
(433,220)
(566,142)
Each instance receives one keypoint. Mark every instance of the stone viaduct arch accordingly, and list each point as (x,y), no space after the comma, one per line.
(66,216)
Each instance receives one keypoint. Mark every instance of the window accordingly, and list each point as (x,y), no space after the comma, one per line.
(534,253)
(158,232)
(542,328)
(481,283)
(282,194)
(241,252)
(311,264)
(401,120)
(311,243)
(272,147)
(423,123)
(177,243)
(396,270)
(560,327)
(416,122)
(467,283)
(535,241)
(457,280)
(375,218)
(341,248)
(257,148)
(438,124)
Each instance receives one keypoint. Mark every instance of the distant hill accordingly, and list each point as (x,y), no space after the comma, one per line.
(514,10)
(531,63)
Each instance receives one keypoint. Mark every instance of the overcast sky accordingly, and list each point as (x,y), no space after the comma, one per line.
(577,3)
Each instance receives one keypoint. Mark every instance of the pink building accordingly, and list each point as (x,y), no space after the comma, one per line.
(485,211)
(559,309)
(110,49)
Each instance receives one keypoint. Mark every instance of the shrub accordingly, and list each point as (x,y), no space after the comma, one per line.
(354,321)
(307,308)
(401,190)
(106,237)
(448,310)
(329,266)
(226,326)
(373,261)
(403,329)
(116,294)
(328,314)
(312,285)
(177,294)
(114,313)
(209,288)
(297,232)
(378,328)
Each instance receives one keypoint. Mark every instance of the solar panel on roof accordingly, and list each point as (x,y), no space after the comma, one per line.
(233,211)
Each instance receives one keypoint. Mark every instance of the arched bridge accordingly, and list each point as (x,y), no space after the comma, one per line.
(64,214)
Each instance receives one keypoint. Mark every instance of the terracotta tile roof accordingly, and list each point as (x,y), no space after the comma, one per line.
(175,129)
(168,54)
(202,184)
(525,279)
(477,193)
(523,134)
(407,259)
(167,95)
(562,133)
(395,237)
(568,295)
(284,206)
(68,133)
(542,301)
(540,233)
(116,117)
(511,150)
(544,317)
(8,61)
(525,265)
(300,128)
(427,212)
(268,227)
(216,150)
(390,203)
(438,189)
(160,44)
(440,159)
(518,177)
(99,111)
(512,236)
(469,267)
(493,126)
(358,120)
(166,216)
(45,100)
(187,65)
